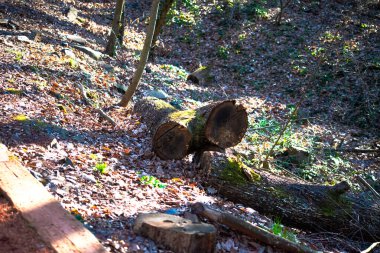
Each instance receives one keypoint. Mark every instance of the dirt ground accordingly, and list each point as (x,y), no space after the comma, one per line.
(16,235)
(326,50)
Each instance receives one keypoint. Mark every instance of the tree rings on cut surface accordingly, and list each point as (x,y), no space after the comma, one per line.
(227,124)
(171,141)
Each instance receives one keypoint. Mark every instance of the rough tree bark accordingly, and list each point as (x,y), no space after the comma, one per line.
(255,232)
(144,55)
(302,205)
(216,126)
(117,31)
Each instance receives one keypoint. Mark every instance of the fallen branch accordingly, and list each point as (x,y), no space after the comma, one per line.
(368,186)
(98,110)
(370,248)
(353,150)
(244,227)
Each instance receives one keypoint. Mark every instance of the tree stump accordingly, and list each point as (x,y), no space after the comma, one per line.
(178,234)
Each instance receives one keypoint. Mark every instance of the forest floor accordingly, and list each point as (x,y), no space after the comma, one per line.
(325,53)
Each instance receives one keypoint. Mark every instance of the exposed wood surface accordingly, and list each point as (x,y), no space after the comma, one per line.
(226,123)
(3,153)
(175,134)
(177,234)
(170,137)
(52,222)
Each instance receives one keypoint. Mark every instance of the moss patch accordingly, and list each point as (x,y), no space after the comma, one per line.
(183,116)
(14,91)
(160,104)
(234,172)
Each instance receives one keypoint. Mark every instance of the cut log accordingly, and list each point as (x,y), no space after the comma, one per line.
(89,51)
(171,137)
(177,234)
(216,126)
(303,205)
(226,123)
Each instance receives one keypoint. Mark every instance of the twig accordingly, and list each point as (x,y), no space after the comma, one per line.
(284,128)
(353,150)
(370,248)
(368,186)
(98,110)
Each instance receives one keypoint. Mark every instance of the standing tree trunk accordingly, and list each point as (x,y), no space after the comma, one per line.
(161,20)
(144,55)
(117,28)
(122,27)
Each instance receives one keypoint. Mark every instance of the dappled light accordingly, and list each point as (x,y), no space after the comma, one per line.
(265,114)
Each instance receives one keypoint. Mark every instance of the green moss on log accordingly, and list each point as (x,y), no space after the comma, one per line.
(234,173)
(183,116)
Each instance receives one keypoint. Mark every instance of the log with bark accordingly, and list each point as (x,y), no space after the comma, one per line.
(255,232)
(216,126)
(303,205)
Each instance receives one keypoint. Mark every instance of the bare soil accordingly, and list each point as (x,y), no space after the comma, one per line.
(16,235)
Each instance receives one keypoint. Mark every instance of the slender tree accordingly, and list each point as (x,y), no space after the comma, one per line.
(144,55)
(117,32)
(161,19)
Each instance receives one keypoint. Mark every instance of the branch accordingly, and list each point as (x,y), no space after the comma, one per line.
(370,248)
(98,110)
(368,186)
(253,231)
(353,150)
(287,124)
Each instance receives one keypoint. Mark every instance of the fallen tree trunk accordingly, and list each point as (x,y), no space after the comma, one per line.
(307,206)
(216,126)
(171,137)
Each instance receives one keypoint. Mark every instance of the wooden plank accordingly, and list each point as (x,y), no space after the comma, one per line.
(52,222)
(3,153)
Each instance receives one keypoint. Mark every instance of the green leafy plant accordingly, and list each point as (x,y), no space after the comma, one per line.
(186,16)
(330,37)
(73,63)
(152,181)
(280,230)
(180,72)
(301,70)
(19,55)
(256,8)
(223,52)
(102,168)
